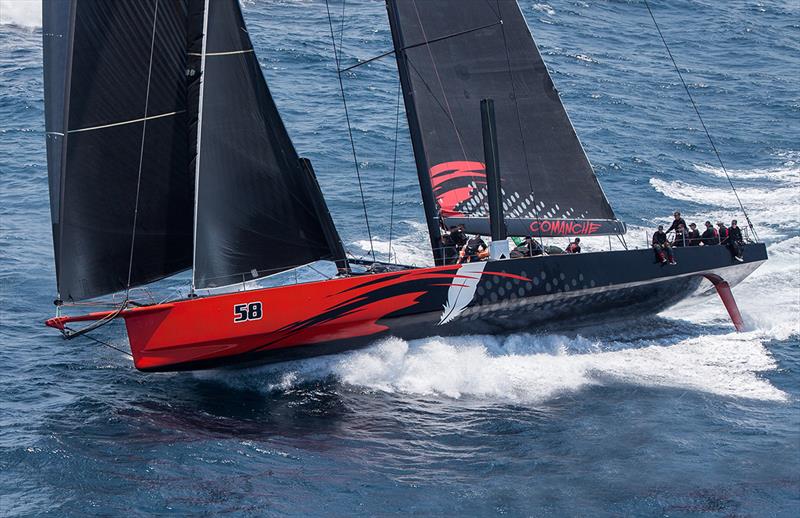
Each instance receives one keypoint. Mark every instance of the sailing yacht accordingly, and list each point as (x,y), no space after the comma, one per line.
(167,153)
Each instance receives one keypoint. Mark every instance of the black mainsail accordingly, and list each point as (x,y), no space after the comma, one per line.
(166,151)
(115,114)
(453,53)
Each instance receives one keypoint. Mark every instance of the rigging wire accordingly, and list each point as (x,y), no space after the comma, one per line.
(347,118)
(439,79)
(101,342)
(394,168)
(697,111)
(519,122)
(141,148)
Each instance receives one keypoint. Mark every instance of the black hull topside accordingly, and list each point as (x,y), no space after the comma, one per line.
(539,294)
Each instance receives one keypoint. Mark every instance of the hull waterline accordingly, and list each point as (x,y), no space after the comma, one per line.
(496,297)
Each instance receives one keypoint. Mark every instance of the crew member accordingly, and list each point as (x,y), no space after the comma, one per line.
(661,246)
(574,247)
(452,243)
(722,233)
(693,236)
(459,236)
(710,236)
(736,241)
(473,250)
(449,248)
(528,248)
(680,236)
(676,222)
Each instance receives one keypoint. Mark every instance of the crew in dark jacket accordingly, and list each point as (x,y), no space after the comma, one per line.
(710,236)
(736,241)
(452,243)
(677,222)
(680,236)
(473,249)
(661,246)
(693,236)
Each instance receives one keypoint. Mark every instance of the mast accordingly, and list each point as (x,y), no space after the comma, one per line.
(497,225)
(432,217)
(199,141)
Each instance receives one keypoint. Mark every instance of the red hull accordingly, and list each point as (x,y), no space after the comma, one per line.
(201,331)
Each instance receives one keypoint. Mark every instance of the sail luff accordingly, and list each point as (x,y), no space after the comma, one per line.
(64,136)
(199,139)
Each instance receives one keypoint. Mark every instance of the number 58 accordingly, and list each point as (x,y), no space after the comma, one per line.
(248,311)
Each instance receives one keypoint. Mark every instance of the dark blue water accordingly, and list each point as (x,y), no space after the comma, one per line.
(674,416)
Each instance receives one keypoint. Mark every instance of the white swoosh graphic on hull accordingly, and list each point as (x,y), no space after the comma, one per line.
(462,290)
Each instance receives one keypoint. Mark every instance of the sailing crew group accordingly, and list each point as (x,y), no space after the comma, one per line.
(458,248)
(727,236)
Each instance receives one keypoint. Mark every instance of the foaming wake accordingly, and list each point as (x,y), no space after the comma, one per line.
(532,369)
(24,13)
(526,368)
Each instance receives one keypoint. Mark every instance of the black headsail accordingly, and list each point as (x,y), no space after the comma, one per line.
(453,53)
(115,112)
(131,126)
(256,213)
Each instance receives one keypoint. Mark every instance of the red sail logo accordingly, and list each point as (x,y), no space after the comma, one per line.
(453,184)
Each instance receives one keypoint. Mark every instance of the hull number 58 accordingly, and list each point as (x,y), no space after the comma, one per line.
(246,312)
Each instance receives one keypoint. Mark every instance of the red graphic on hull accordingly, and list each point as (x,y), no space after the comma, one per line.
(452,184)
(180,333)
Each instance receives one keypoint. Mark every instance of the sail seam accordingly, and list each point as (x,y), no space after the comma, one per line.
(415,45)
(228,53)
(132,121)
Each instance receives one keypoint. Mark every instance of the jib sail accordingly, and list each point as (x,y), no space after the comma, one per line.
(115,113)
(255,211)
(453,53)
(165,150)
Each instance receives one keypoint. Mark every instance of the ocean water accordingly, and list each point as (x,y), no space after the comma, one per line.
(675,415)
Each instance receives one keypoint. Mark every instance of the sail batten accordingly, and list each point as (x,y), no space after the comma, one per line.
(453,53)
